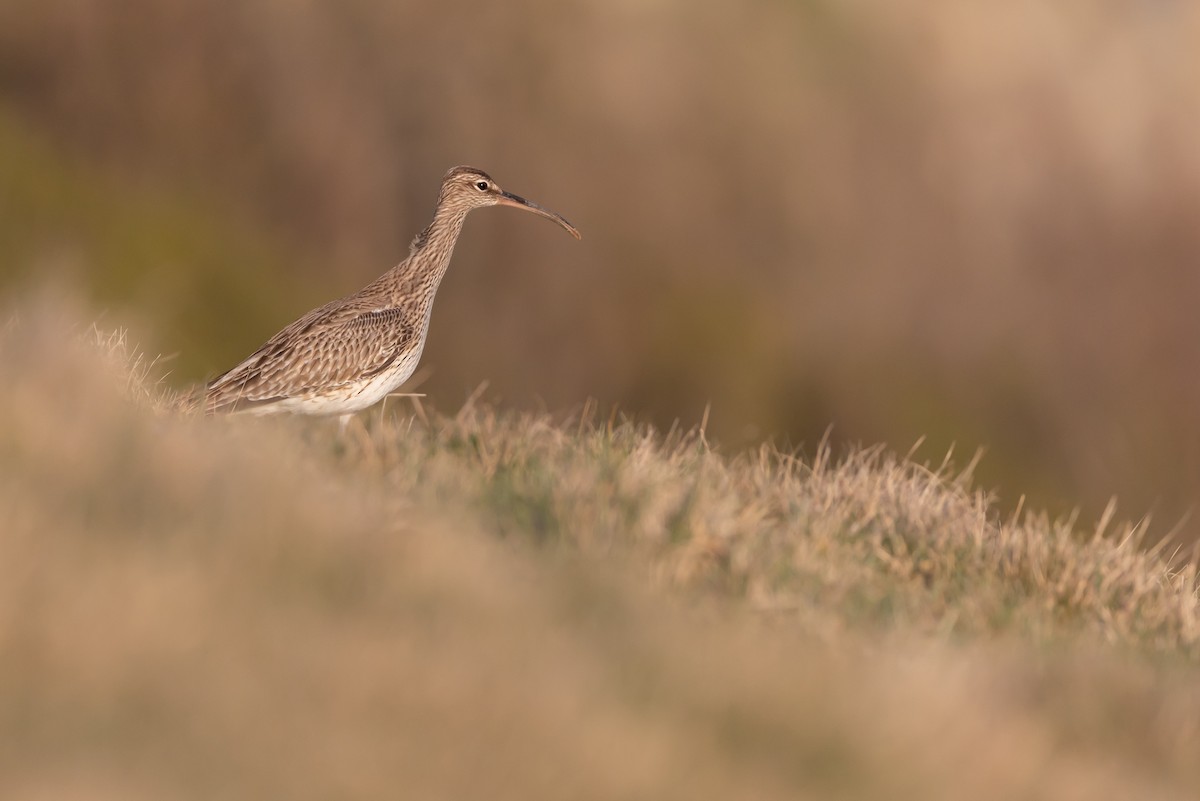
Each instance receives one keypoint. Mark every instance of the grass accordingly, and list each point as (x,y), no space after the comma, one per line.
(868,539)
(513,606)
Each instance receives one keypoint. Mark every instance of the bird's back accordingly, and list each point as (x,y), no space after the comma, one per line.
(326,354)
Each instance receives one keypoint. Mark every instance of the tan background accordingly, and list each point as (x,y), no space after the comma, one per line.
(966,221)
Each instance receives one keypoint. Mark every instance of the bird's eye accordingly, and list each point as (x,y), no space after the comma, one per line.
(482,186)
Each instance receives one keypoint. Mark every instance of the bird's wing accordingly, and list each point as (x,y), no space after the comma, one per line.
(326,348)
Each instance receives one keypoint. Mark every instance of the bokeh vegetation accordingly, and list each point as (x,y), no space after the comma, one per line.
(973,223)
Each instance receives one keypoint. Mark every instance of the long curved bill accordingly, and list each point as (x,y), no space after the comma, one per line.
(509,199)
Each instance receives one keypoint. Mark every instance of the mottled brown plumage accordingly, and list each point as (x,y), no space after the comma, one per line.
(349,354)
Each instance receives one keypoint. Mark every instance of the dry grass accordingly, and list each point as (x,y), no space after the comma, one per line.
(499,606)
(865,539)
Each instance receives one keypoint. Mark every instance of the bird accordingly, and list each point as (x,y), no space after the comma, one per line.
(349,354)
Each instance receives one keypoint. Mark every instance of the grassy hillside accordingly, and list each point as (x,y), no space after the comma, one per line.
(502,606)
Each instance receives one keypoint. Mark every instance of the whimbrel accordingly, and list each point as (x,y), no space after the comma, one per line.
(349,354)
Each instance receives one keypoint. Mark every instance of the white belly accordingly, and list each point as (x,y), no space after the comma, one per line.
(348,398)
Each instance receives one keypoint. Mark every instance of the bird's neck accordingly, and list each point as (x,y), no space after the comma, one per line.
(430,253)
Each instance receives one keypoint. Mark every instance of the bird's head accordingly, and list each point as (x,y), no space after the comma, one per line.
(472,188)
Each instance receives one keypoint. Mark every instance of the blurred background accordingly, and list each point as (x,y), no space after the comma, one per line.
(977,223)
